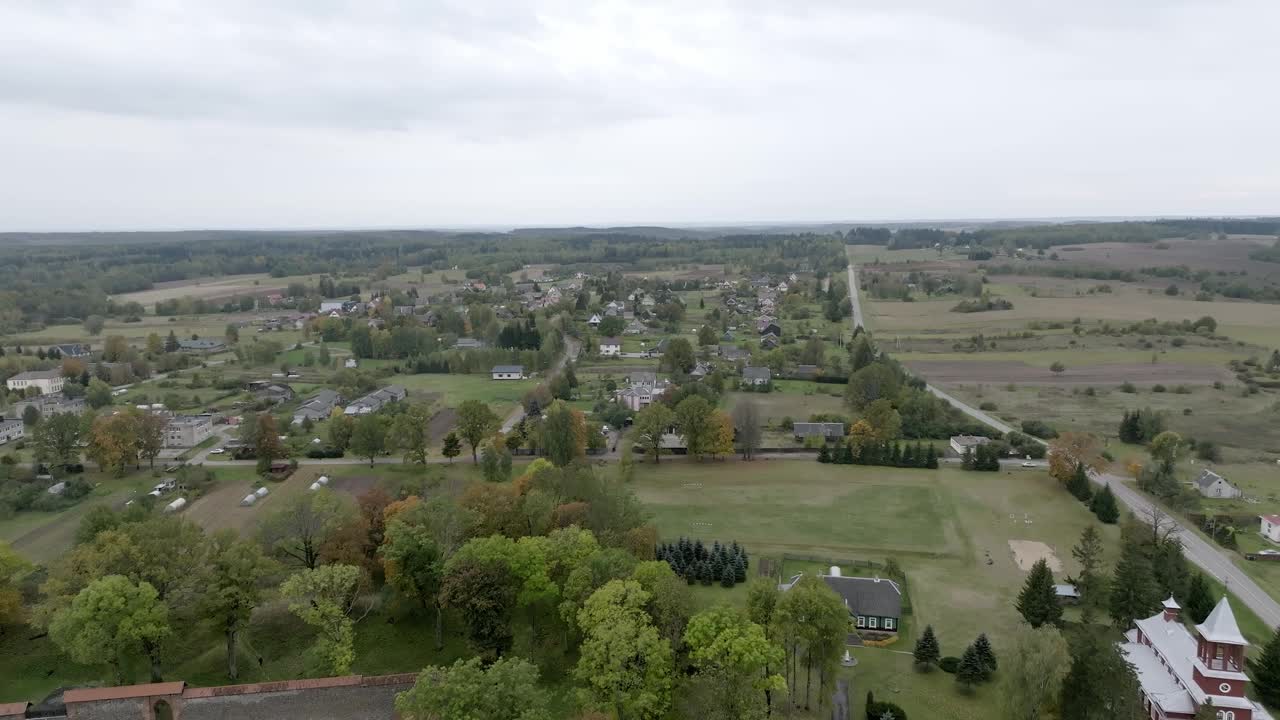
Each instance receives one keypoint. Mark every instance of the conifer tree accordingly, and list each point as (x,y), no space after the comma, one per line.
(728,576)
(1089,583)
(1198,603)
(970,672)
(1078,484)
(1266,672)
(966,461)
(824,455)
(932,463)
(846,456)
(1133,588)
(927,652)
(986,655)
(1104,506)
(1038,602)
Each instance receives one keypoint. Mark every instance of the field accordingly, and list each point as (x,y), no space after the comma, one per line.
(792,398)
(212,288)
(456,389)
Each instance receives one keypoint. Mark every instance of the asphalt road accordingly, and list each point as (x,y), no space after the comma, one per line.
(854,300)
(1199,551)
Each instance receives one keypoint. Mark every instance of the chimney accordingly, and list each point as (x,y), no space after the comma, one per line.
(1171,609)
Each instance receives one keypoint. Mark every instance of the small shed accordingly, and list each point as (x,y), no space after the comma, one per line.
(176,505)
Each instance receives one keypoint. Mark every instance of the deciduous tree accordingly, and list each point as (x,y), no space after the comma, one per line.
(475,422)
(1034,668)
(505,690)
(369,438)
(110,619)
(324,598)
(651,423)
(746,419)
(409,432)
(233,588)
(693,421)
(564,433)
(624,665)
(297,531)
(733,653)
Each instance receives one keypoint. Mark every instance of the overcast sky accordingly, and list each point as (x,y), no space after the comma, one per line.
(427,113)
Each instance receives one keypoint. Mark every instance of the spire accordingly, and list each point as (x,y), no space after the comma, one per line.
(1220,626)
(1171,609)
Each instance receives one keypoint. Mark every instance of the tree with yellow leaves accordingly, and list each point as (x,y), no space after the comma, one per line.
(861,434)
(113,443)
(721,434)
(1070,449)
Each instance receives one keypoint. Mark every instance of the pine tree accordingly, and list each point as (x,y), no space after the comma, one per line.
(705,573)
(1133,588)
(1266,672)
(932,464)
(970,672)
(986,656)
(909,457)
(927,652)
(846,455)
(740,570)
(966,461)
(1104,506)
(1038,602)
(1198,602)
(824,456)
(1090,583)
(728,576)
(1078,484)
(171,343)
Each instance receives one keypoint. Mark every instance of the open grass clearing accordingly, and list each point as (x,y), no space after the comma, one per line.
(501,395)
(1034,369)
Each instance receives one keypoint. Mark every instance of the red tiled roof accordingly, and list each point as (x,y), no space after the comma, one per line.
(120,693)
(15,708)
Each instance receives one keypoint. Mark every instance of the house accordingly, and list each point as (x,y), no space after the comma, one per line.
(1179,671)
(271,391)
(643,388)
(318,407)
(1212,485)
(700,370)
(1067,594)
(769,341)
(825,430)
(967,443)
(659,348)
(72,350)
(376,400)
(734,354)
(873,603)
(203,345)
(756,376)
(351,363)
(594,321)
(635,327)
(11,429)
(769,328)
(185,431)
(508,372)
(47,382)
(466,343)
(727,337)
(610,347)
(403,310)
(327,308)
(806,372)
(1270,527)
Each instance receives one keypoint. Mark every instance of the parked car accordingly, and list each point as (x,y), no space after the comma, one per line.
(1029,464)
(217,451)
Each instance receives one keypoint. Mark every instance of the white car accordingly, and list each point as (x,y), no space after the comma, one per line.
(217,451)
(1029,464)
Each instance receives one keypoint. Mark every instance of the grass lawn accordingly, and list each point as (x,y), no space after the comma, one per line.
(941,526)
(42,536)
(796,399)
(501,395)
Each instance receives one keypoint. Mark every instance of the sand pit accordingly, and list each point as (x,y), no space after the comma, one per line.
(1027,552)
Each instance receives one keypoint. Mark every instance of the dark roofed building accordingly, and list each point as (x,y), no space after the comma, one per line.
(756,375)
(202,345)
(874,603)
(72,350)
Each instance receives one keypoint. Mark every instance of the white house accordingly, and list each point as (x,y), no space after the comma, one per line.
(594,321)
(350,363)
(962,443)
(508,372)
(1212,485)
(47,382)
(1270,528)
(610,347)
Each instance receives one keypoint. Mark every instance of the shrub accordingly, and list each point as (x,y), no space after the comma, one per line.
(1158,388)
(1039,429)
(1128,387)
(988,406)
(949,664)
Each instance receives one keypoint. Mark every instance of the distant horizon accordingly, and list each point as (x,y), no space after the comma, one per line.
(696,225)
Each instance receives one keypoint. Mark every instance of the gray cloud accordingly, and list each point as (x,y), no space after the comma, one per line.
(375,112)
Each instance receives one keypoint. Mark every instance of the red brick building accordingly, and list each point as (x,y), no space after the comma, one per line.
(1180,671)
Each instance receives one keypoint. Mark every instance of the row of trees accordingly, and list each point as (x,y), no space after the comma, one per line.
(691,560)
(704,429)
(879,452)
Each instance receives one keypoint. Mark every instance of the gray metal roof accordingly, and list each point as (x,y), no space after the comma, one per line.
(756,373)
(1207,478)
(867,596)
(508,369)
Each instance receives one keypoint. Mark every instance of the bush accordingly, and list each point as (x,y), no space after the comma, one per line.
(1158,388)
(881,710)
(1128,387)
(988,406)
(949,664)
(1039,428)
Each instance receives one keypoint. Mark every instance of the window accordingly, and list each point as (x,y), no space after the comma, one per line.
(862,622)
(888,623)
(871,623)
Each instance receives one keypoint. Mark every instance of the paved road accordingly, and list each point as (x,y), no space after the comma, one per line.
(1199,551)
(854,300)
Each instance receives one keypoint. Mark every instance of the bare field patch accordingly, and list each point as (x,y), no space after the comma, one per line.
(1027,553)
(982,370)
(211,288)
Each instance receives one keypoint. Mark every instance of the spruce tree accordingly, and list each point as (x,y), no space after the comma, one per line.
(966,461)
(1089,583)
(1104,506)
(986,656)
(1038,602)
(1133,588)
(824,456)
(909,457)
(846,455)
(706,574)
(728,576)
(1266,672)
(927,652)
(1078,484)
(970,672)
(739,569)
(1198,603)
(932,464)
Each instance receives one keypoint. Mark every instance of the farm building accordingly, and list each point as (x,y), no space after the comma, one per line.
(205,346)
(376,400)
(318,407)
(508,372)
(874,603)
(1212,485)
(967,443)
(1270,527)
